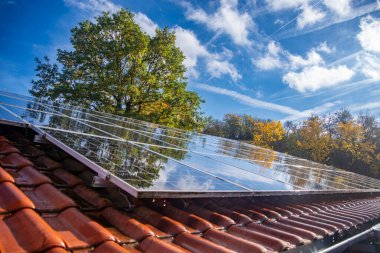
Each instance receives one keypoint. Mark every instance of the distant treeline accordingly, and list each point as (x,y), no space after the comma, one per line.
(339,139)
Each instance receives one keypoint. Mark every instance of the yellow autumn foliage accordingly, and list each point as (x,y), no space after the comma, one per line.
(266,133)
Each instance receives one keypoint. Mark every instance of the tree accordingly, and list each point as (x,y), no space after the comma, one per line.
(115,67)
(267,133)
(248,126)
(352,151)
(314,142)
(213,126)
(233,126)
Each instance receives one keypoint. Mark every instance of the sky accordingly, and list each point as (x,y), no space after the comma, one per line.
(272,59)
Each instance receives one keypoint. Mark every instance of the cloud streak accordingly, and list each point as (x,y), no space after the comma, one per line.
(328,21)
(247,100)
(306,113)
(365,106)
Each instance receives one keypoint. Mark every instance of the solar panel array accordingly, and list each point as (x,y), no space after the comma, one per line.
(149,160)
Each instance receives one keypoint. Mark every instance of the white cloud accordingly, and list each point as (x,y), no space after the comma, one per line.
(313,58)
(369,65)
(278,5)
(217,64)
(279,22)
(272,59)
(146,24)
(274,48)
(227,19)
(268,62)
(276,57)
(317,77)
(186,40)
(247,100)
(191,48)
(95,7)
(324,48)
(340,7)
(308,73)
(369,36)
(218,68)
(309,16)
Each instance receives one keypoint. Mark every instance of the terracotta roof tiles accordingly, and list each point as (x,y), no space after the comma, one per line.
(15,161)
(28,177)
(46,163)
(47,198)
(5,176)
(12,198)
(6,148)
(25,231)
(77,230)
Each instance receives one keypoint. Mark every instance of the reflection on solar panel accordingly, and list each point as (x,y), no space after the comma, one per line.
(149,160)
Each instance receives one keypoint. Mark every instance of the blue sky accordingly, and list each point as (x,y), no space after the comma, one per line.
(278,59)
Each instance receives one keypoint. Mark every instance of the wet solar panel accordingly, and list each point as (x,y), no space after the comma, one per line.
(150,160)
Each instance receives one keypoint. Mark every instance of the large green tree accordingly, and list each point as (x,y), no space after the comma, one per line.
(115,67)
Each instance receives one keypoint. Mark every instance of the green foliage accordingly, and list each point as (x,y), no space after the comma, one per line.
(117,68)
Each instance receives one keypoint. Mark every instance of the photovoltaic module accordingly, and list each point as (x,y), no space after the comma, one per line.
(150,160)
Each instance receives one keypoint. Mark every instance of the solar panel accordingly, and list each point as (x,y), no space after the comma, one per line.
(150,160)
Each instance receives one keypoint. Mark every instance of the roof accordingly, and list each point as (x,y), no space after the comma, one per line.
(48,205)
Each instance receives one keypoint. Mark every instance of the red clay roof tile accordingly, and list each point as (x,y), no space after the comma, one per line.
(4,139)
(47,198)
(159,221)
(268,241)
(197,223)
(121,237)
(154,245)
(112,247)
(317,230)
(77,230)
(46,163)
(6,148)
(157,232)
(307,234)
(15,161)
(88,199)
(31,151)
(29,176)
(198,244)
(126,224)
(12,199)
(233,242)
(65,178)
(330,217)
(282,235)
(214,217)
(25,231)
(5,176)
(54,153)
(56,250)
(330,228)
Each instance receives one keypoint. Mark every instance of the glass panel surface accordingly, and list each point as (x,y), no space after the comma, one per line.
(150,157)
